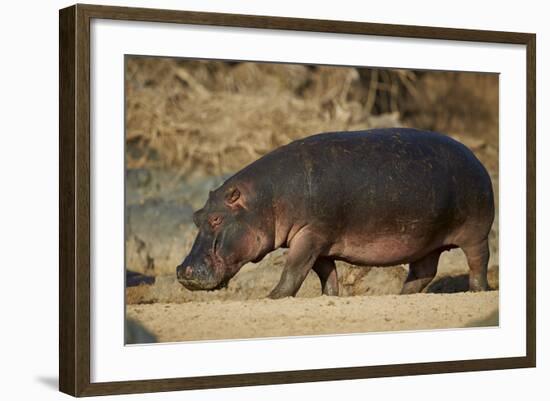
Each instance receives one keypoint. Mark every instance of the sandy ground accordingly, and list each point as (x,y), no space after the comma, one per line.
(369,302)
(213,320)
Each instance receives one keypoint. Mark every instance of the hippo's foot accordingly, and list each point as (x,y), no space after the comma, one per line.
(478,287)
(288,286)
(478,283)
(421,273)
(415,286)
(276,294)
(478,259)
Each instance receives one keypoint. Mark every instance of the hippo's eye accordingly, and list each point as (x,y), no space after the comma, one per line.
(215,221)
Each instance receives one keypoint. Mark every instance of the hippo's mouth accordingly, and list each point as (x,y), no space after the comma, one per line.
(196,285)
(225,271)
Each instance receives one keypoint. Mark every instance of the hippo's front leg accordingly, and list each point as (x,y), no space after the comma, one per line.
(302,254)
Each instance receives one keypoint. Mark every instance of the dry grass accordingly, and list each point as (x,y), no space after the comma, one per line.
(213,117)
(459,103)
(210,118)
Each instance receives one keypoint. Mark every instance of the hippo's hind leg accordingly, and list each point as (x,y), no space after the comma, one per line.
(478,259)
(421,272)
(326,270)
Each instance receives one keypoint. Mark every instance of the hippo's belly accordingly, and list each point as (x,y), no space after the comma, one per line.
(385,250)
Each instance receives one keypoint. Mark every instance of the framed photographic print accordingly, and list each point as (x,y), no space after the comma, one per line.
(293,199)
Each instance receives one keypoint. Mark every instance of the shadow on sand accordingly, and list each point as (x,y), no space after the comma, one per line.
(134,279)
(449,285)
(460,283)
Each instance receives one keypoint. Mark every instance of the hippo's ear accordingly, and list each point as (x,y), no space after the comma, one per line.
(198,217)
(232,196)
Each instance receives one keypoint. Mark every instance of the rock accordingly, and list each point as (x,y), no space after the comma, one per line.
(156,235)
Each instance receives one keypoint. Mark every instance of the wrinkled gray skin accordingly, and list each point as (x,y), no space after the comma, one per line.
(371,198)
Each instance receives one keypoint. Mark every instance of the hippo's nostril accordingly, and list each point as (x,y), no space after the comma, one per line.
(184,273)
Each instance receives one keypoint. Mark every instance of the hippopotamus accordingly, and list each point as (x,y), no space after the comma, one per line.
(379,197)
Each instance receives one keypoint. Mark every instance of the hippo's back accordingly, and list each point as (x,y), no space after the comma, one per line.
(382,182)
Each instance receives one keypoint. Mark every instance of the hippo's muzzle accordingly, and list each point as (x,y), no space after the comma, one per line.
(196,278)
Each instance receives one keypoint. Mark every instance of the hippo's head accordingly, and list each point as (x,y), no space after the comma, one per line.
(230,235)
